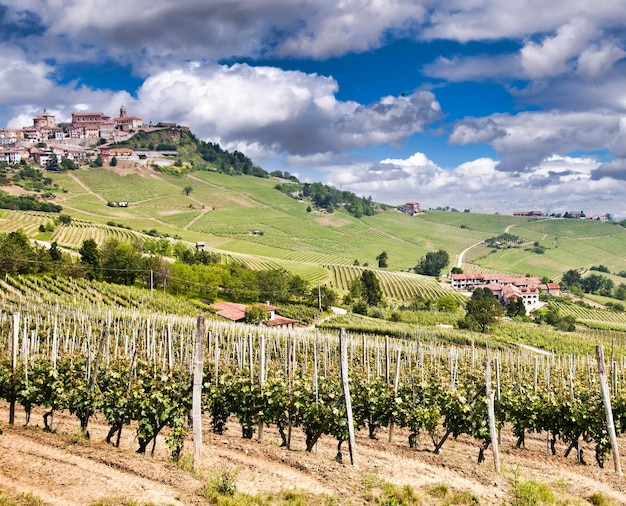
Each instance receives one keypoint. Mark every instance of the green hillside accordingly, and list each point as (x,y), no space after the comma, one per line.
(247,220)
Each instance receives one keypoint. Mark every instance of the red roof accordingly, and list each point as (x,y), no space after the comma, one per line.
(237,312)
(230,310)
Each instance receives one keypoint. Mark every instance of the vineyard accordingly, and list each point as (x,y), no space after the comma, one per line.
(395,285)
(128,366)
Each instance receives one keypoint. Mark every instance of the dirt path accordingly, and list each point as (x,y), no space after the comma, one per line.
(63,469)
(86,188)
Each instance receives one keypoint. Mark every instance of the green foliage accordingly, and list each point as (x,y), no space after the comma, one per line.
(433,263)
(371,292)
(27,203)
(256,314)
(482,310)
(382,260)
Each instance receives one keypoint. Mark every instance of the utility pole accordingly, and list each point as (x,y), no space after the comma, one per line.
(319,296)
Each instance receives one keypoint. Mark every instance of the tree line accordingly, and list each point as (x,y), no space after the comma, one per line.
(195,274)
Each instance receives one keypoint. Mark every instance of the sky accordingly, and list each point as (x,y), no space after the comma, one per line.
(487,105)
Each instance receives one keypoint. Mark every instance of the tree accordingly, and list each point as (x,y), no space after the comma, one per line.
(515,307)
(482,310)
(433,263)
(255,314)
(16,254)
(55,252)
(456,270)
(67,164)
(371,292)
(120,262)
(571,278)
(382,260)
(187,189)
(595,282)
(53,163)
(90,258)
(446,303)
(273,285)
(98,162)
(113,161)
(323,296)
(64,219)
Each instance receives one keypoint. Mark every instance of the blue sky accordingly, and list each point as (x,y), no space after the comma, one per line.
(481,104)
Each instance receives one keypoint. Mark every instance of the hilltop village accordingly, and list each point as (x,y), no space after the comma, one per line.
(84,138)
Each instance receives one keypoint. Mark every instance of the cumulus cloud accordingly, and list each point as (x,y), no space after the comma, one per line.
(493,19)
(525,139)
(553,55)
(556,184)
(145,29)
(283,111)
(615,169)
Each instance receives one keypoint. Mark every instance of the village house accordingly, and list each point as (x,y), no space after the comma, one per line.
(237,313)
(505,287)
(410,208)
(127,123)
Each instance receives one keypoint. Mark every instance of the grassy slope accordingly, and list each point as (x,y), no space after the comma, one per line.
(224,210)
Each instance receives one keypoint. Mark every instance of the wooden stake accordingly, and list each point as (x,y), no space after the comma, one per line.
(343,367)
(610,425)
(197,394)
(396,381)
(493,433)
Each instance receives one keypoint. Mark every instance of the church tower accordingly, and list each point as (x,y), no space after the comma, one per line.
(122,112)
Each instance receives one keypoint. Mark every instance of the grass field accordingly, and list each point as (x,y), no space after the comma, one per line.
(247,219)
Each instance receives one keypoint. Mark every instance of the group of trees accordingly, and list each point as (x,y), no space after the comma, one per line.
(432,263)
(330,198)
(573,281)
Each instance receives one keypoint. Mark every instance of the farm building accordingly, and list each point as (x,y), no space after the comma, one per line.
(237,313)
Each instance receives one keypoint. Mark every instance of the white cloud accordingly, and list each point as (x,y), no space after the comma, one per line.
(465,21)
(553,55)
(598,59)
(282,111)
(556,184)
(523,140)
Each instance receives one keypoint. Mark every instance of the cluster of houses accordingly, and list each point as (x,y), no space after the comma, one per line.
(72,139)
(575,215)
(505,288)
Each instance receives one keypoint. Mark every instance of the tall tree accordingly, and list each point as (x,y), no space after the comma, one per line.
(371,291)
(433,263)
(90,258)
(482,310)
(382,260)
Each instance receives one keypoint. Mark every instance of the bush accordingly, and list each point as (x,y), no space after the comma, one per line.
(360,307)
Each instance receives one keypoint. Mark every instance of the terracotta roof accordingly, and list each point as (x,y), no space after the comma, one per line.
(278,321)
(230,310)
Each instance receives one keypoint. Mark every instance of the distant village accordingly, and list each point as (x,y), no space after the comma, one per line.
(89,135)
(81,140)
(413,209)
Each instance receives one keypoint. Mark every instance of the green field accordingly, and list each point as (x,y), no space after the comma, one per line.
(248,221)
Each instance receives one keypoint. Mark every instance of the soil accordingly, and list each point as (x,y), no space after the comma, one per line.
(64,468)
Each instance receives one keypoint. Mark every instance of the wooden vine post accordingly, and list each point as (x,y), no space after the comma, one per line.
(15,336)
(493,433)
(343,367)
(606,399)
(261,377)
(396,381)
(196,405)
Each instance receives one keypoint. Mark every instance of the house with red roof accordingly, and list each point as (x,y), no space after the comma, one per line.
(237,313)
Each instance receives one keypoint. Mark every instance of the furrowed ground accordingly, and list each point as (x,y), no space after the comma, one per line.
(65,469)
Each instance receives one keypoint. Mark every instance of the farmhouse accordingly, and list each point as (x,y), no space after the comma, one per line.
(410,208)
(237,313)
(505,287)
